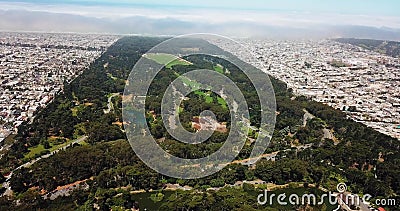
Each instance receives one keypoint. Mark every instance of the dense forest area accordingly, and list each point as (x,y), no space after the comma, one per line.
(368,161)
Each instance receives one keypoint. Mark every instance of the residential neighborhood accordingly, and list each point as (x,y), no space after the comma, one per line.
(363,83)
(34,67)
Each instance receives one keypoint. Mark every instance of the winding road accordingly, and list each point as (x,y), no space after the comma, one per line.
(110,105)
(7,185)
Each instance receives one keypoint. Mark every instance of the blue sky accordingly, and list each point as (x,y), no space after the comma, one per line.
(199,16)
(356,7)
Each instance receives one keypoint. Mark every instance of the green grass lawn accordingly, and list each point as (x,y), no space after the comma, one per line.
(192,84)
(168,60)
(222,102)
(200,93)
(219,68)
(209,99)
(36,150)
(177,62)
(206,96)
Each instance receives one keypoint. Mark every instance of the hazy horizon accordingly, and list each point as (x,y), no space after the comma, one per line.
(286,19)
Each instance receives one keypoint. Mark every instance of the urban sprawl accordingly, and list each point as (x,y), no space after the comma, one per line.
(362,83)
(34,67)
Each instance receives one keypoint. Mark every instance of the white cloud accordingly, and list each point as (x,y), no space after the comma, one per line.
(213,16)
(172,21)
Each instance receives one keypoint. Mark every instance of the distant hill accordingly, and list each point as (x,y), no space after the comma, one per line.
(390,48)
(25,20)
